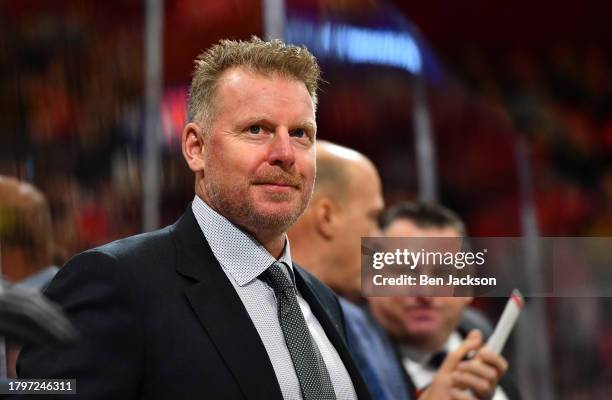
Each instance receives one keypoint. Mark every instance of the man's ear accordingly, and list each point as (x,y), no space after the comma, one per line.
(192,141)
(325,217)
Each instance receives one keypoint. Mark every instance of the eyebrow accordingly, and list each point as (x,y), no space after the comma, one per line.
(309,125)
(263,120)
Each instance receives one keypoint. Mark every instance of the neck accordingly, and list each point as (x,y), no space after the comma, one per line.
(317,256)
(275,244)
(17,265)
(424,345)
(273,241)
(307,255)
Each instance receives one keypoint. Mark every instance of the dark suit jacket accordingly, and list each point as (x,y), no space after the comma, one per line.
(159,319)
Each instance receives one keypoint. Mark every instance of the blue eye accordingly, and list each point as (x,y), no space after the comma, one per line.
(255,129)
(298,133)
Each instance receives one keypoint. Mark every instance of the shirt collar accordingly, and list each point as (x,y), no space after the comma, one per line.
(239,253)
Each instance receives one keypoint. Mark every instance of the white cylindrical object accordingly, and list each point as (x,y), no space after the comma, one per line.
(506,322)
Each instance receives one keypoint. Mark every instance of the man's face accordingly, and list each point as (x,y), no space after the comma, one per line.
(422,322)
(259,154)
(358,217)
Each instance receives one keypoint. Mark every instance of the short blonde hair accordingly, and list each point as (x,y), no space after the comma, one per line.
(265,57)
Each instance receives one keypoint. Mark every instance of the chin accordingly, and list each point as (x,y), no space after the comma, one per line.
(419,337)
(279,209)
(423,328)
(275,218)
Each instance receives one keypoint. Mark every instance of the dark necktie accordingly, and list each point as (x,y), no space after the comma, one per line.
(307,361)
(437,359)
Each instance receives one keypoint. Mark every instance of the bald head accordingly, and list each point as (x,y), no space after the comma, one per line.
(345,206)
(25,228)
(334,164)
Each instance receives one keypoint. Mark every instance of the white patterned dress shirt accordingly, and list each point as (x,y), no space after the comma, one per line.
(243,259)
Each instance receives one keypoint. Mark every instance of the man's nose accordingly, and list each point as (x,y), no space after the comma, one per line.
(281,151)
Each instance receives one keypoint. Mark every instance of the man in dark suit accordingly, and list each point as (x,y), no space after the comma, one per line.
(212,307)
(433,334)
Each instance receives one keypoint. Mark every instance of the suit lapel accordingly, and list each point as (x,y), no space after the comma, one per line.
(333,329)
(222,314)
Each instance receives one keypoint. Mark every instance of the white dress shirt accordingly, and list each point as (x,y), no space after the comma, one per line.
(243,259)
(422,373)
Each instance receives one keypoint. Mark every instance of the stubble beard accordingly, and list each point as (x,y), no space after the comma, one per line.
(235,205)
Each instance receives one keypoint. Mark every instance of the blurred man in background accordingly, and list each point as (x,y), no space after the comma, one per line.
(346,205)
(26,245)
(428,329)
(25,234)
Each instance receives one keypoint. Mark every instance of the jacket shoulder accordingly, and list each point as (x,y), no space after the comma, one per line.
(134,255)
(142,245)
